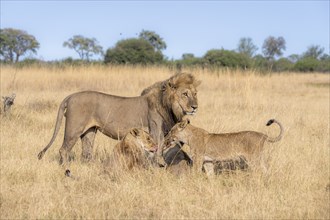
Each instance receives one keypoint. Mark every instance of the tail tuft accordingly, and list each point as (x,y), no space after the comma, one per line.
(68,173)
(41,154)
(272,140)
(271,121)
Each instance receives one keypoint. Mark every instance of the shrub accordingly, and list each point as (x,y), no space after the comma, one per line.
(226,58)
(283,64)
(307,64)
(133,51)
(260,62)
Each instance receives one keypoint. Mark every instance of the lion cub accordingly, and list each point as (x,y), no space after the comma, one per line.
(136,149)
(223,146)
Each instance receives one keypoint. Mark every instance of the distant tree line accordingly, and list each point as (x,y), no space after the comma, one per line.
(147,49)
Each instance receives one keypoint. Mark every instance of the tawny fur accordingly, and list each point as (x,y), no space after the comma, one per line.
(249,144)
(136,150)
(157,110)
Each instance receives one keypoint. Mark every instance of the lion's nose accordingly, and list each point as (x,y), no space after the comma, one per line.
(194,107)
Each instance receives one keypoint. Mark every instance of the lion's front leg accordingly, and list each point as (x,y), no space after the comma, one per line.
(155,123)
(158,136)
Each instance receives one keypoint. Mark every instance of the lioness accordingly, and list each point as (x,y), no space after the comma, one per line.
(248,144)
(157,110)
(136,149)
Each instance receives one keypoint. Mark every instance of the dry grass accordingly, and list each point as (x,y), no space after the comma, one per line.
(229,101)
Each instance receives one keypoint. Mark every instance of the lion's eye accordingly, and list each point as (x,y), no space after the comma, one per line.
(185,94)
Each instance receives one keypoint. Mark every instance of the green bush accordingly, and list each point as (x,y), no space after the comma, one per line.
(308,64)
(226,58)
(27,62)
(133,51)
(260,62)
(283,64)
(325,64)
(188,59)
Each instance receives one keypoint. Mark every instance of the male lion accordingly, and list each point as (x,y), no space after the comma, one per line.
(248,144)
(158,110)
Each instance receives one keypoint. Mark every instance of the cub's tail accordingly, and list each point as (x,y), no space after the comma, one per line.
(279,137)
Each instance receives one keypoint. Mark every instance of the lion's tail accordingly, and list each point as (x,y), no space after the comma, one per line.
(279,137)
(59,118)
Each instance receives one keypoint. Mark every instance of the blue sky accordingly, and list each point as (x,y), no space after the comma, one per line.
(186,26)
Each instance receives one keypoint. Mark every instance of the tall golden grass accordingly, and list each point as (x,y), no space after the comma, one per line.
(297,187)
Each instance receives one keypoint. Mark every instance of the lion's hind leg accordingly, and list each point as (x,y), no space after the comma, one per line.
(87,141)
(71,136)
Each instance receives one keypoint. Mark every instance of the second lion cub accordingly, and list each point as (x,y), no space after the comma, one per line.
(223,146)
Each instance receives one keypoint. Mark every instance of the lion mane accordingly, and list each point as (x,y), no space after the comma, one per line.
(161,97)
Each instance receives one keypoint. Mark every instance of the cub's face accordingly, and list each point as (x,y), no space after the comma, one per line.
(179,134)
(142,141)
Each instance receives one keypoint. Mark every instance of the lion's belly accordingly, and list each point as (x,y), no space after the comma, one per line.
(116,130)
(118,125)
(116,118)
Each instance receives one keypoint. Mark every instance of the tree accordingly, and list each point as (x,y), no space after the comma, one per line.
(314,51)
(246,46)
(84,46)
(15,43)
(154,39)
(273,47)
(133,51)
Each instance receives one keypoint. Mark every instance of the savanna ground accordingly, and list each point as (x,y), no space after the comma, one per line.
(229,101)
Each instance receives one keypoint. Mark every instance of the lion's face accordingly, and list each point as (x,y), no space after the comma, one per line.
(185,101)
(181,98)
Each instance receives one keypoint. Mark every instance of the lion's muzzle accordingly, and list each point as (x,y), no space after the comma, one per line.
(193,111)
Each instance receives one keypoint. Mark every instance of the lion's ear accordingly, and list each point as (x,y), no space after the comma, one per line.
(135,132)
(171,85)
(168,85)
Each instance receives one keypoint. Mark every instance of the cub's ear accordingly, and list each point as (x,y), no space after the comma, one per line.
(135,132)
(184,123)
